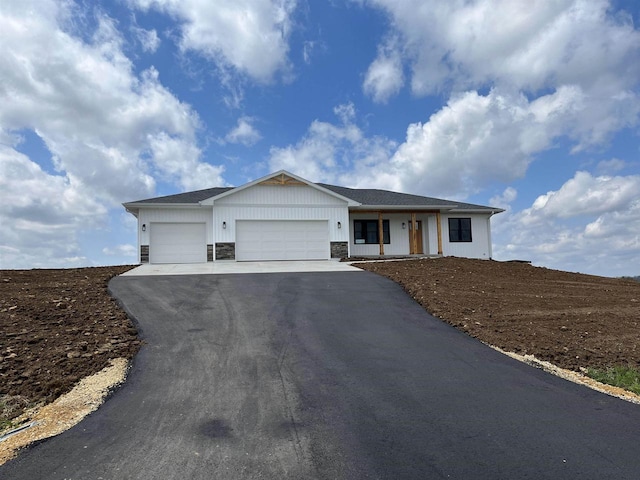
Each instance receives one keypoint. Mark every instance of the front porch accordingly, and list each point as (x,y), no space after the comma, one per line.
(389,233)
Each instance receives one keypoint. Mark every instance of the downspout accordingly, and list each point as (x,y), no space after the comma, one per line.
(381,233)
(489,235)
(439,230)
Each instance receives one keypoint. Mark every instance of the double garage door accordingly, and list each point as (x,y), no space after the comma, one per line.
(282,240)
(256,240)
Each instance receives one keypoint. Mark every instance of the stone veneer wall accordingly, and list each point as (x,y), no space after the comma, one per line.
(144,253)
(209,252)
(339,250)
(226,251)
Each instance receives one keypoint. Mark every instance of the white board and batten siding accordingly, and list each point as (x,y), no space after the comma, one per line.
(290,195)
(280,203)
(479,247)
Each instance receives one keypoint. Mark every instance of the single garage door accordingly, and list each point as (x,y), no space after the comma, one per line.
(282,240)
(178,243)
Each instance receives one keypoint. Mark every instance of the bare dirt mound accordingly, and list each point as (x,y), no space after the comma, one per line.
(57,327)
(569,319)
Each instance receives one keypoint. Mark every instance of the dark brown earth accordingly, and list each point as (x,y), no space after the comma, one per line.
(569,319)
(58,326)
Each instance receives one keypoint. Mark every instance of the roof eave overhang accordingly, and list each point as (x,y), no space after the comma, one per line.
(137,206)
(487,211)
(440,208)
(133,210)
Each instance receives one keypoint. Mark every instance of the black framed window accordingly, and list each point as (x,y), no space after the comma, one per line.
(460,230)
(366,231)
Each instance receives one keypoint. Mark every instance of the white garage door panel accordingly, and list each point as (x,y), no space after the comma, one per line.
(178,243)
(282,240)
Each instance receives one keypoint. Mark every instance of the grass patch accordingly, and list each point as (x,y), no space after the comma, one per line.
(626,377)
(11,406)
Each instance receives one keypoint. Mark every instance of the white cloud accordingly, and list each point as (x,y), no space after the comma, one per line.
(505,199)
(313,48)
(148,39)
(585,194)
(307,49)
(472,141)
(40,214)
(125,250)
(346,112)
(44,201)
(478,139)
(536,44)
(178,159)
(249,35)
(591,224)
(384,78)
(234,87)
(110,132)
(611,166)
(244,132)
(579,49)
(339,154)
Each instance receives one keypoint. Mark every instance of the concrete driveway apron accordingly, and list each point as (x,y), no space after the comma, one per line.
(224,267)
(327,375)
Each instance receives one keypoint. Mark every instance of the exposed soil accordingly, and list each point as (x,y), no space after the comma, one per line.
(66,411)
(569,319)
(57,327)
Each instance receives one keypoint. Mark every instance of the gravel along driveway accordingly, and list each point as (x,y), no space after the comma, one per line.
(327,375)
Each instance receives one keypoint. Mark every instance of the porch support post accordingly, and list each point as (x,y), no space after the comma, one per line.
(439,229)
(414,234)
(380,233)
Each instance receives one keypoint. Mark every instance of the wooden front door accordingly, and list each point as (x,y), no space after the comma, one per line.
(415,247)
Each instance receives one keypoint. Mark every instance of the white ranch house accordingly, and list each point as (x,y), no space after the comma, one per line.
(284,217)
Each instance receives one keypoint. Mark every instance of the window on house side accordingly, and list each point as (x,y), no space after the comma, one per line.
(459,229)
(366,231)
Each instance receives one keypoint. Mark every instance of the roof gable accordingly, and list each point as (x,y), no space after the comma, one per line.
(281,179)
(284,179)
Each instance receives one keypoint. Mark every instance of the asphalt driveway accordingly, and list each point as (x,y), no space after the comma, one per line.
(327,375)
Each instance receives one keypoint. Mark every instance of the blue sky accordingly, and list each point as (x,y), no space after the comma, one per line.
(528,106)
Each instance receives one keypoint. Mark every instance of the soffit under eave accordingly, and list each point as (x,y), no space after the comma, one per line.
(140,206)
(402,208)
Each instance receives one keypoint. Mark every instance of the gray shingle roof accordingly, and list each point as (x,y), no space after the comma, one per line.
(365,196)
(187,197)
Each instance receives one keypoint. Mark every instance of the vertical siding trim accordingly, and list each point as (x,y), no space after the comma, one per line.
(439,232)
